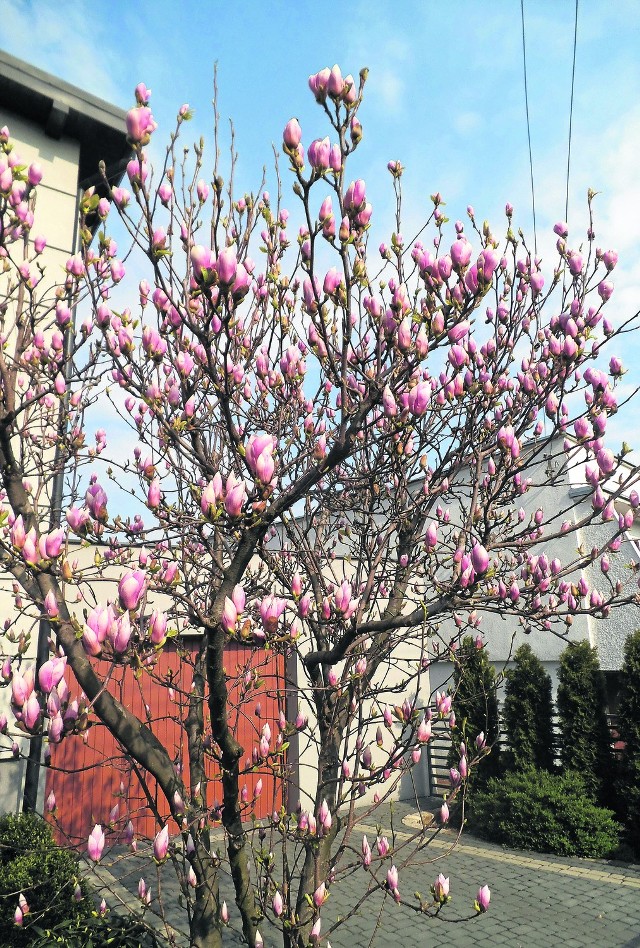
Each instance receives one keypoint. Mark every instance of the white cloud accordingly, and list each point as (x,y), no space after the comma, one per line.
(70,44)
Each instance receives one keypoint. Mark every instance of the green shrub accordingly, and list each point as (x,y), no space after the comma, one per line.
(543,812)
(475,704)
(115,931)
(527,713)
(585,739)
(629,730)
(31,863)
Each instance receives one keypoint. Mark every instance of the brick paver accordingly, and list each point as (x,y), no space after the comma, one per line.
(536,900)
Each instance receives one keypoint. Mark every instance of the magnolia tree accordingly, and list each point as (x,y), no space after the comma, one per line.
(334,451)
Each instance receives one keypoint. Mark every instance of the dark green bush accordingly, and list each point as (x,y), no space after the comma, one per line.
(585,739)
(629,730)
(527,713)
(31,863)
(97,931)
(543,812)
(475,704)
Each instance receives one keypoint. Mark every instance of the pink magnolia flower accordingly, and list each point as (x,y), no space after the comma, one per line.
(56,728)
(96,501)
(157,627)
(211,495)
(271,608)
(606,460)
(259,454)
(155,494)
(419,398)
(461,251)
(457,356)
(121,633)
(34,174)
(21,687)
(332,281)
(201,259)
(100,622)
(277,905)
(324,816)
(615,366)
(18,533)
(318,84)
(459,331)
(53,543)
(229,615)
(31,711)
(389,404)
(440,889)
(480,558)
(51,673)
(335,83)
(392,881)
(242,283)
(161,844)
(320,895)
(235,496)
(342,599)
(366,852)
(131,588)
(30,549)
(78,518)
(227,265)
(483,898)
(142,94)
(140,124)
(432,535)
(318,153)
(292,135)
(95,843)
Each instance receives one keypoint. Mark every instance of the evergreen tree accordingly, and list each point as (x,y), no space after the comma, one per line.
(585,739)
(527,713)
(629,730)
(475,704)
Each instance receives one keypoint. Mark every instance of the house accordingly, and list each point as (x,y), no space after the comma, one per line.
(68,132)
(564,492)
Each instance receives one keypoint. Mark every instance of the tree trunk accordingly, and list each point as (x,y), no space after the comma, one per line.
(231,752)
(206,926)
(317,859)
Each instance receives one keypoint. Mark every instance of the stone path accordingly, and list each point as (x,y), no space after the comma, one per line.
(536,900)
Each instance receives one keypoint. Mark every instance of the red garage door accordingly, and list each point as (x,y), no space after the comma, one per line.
(90,774)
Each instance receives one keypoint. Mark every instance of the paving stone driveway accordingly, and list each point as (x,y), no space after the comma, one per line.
(536,900)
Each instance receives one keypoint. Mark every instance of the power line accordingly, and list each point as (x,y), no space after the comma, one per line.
(526,102)
(573,76)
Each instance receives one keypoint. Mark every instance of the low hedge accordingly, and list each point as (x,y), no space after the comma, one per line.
(108,931)
(32,864)
(543,812)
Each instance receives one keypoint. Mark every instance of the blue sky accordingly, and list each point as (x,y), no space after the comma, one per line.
(445,96)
